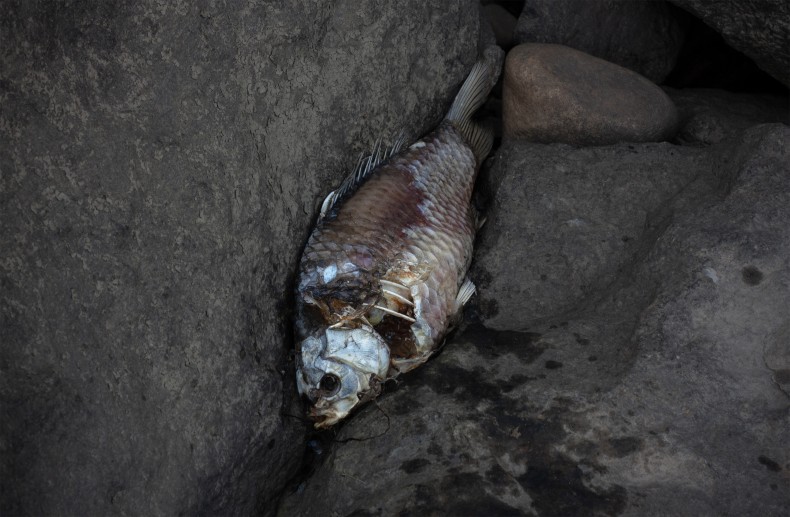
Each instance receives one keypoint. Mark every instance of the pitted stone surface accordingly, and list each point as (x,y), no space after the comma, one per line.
(160,167)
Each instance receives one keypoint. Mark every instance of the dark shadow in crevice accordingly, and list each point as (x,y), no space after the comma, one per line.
(707,61)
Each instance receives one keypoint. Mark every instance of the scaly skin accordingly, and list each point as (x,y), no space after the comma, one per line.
(380,276)
(410,222)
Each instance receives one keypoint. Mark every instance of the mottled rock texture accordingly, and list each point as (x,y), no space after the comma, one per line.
(566,222)
(668,395)
(553,93)
(758,28)
(645,37)
(708,116)
(160,166)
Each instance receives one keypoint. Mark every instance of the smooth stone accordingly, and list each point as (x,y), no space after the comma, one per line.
(554,93)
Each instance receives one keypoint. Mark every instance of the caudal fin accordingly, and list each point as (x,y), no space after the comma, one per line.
(471,96)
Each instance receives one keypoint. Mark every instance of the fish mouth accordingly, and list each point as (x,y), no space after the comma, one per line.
(326,414)
(323,418)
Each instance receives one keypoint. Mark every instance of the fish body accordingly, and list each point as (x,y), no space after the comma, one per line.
(384,270)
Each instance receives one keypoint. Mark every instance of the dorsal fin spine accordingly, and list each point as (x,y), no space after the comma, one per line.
(365,165)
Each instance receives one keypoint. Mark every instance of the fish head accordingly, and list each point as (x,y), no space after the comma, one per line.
(340,368)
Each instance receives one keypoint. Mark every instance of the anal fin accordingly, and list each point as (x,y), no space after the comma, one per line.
(465,293)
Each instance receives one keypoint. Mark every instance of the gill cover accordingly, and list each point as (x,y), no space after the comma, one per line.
(336,370)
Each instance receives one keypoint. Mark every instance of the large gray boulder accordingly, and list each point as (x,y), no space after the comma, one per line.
(759,29)
(160,167)
(659,398)
(565,222)
(645,37)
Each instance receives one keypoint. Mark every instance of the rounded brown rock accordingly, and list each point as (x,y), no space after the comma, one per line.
(554,93)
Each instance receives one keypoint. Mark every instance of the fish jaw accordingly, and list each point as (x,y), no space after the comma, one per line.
(339,369)
(327,417)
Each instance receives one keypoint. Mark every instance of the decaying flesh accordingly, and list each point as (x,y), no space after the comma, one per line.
(384,270)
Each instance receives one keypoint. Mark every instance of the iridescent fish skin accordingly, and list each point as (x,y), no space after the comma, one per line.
(383,272)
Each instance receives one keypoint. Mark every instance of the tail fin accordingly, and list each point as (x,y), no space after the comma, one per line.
(471,96)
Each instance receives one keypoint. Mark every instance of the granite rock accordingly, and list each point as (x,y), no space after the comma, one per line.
(160,168)
(564,223)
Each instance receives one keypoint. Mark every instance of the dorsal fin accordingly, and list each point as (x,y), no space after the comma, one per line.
(365,165)
(471,96)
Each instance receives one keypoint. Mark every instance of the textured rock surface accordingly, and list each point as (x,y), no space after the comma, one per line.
(553,93)
(709,116)
(566,222)
(760,29)
(668,396)
(160,166)
(642,36)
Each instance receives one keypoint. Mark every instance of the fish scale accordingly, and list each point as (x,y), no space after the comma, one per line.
(383,272)
(445,239)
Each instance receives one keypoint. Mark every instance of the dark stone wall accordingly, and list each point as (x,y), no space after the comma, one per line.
(160,165)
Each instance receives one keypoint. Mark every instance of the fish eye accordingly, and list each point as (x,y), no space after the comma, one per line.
(329,382)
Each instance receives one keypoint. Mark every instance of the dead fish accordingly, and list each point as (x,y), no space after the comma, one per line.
(384,270)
